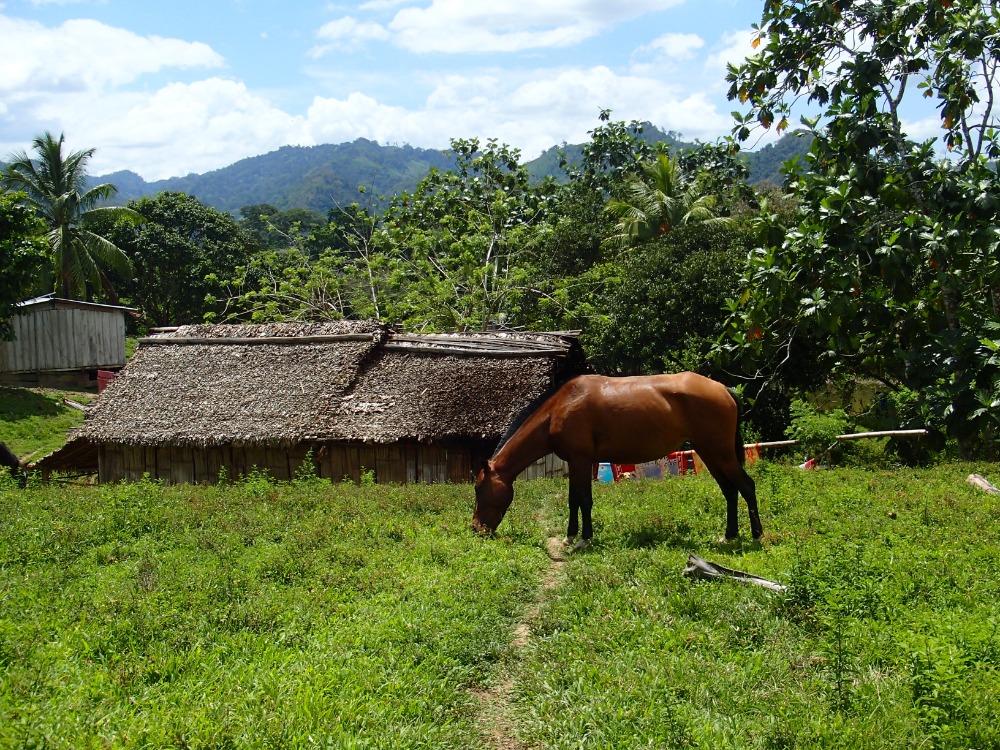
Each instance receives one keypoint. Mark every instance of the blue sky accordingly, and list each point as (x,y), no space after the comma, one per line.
(169,88)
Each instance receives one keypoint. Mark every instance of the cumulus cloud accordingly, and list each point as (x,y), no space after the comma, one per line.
(347,33)
(205,125)
(533,112)
(457,26)
(85,54)
(180,128)
(733,50)
(666,53)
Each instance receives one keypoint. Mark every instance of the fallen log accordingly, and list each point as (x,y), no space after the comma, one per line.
(76,405)
(705,570)
(978,480)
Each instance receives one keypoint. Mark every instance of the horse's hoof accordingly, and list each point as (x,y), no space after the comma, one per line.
(568,541)
(728,540)
(580,545)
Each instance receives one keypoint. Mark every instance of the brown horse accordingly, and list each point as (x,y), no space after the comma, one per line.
(8,459)
(593,418)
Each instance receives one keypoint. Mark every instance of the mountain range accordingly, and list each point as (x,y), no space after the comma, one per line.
(321,177)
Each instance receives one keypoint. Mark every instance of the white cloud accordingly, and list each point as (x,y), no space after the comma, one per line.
(347,33)
(456,26)
(206,125)
(666,53)
(179,129)
(924,128)
(378,5)
(88,89)
(541,109)
(675,46)
(84,55)
(735,48)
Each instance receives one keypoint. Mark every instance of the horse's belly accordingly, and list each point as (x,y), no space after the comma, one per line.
(620,436)
(635,447)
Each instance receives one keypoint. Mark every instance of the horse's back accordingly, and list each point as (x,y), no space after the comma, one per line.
(639,418)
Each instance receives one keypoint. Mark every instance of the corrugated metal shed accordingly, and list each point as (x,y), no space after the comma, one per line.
(61,335)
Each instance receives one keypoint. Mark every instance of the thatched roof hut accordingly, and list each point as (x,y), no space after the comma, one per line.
(408,407)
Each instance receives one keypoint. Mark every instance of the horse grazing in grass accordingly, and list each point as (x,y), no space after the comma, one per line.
(592,418)
(8,459)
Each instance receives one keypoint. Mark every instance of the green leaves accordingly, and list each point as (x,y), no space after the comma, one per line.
(54,185)
(891,261)
(22,256)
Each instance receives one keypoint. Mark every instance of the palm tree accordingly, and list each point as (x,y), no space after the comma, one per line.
(55,186)
(658,202)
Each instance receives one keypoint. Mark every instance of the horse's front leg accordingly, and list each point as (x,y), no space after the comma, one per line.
(574,522)
(580,497)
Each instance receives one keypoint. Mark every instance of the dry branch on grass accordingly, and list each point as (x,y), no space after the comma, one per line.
(705,570)
(978,480)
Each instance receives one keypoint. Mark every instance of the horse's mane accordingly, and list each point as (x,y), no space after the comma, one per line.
(526,412)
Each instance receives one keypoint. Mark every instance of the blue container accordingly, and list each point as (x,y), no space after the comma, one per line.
(604,473)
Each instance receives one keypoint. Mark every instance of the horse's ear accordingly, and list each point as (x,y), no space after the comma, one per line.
(486,466)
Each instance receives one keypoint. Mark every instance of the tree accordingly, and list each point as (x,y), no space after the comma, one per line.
(665,311)
(179,253)
(461,243)
(274,229)
(658,201)
(22,255)
(55,185)
(892,263)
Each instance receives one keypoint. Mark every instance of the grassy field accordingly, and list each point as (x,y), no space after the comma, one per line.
(307,615)
(34,421)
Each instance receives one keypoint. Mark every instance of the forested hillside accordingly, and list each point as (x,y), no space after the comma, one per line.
(322,177)
(313,177)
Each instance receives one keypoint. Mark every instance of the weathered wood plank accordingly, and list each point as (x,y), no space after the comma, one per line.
(208,469)
(366,460)
(433,464)
(132,462)
(200,471)
(459,464)
(256,458)
(298,455)
(149,462)
(110,464)
(182,465)
(411,462)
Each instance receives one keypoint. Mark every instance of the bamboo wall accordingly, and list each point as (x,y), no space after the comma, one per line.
(400,463)
(59,339)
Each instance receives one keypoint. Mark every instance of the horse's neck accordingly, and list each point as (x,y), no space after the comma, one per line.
(528,444)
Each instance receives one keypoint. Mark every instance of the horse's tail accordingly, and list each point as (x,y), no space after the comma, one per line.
(740,452)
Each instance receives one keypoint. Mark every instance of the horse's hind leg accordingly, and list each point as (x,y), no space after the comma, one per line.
(748,489)
(734,481)
(732,495)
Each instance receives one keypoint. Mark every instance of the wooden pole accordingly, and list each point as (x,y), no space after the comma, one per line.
(850,436)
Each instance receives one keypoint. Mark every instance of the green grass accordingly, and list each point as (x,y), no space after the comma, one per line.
(34,421)
(251,616)
(317,615)
(887,638)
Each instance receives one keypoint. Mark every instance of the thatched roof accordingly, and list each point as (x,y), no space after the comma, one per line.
(350,380)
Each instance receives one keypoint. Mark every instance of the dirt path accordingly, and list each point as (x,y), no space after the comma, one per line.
(495,709)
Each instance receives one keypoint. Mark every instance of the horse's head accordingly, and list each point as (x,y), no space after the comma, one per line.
(494,495)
